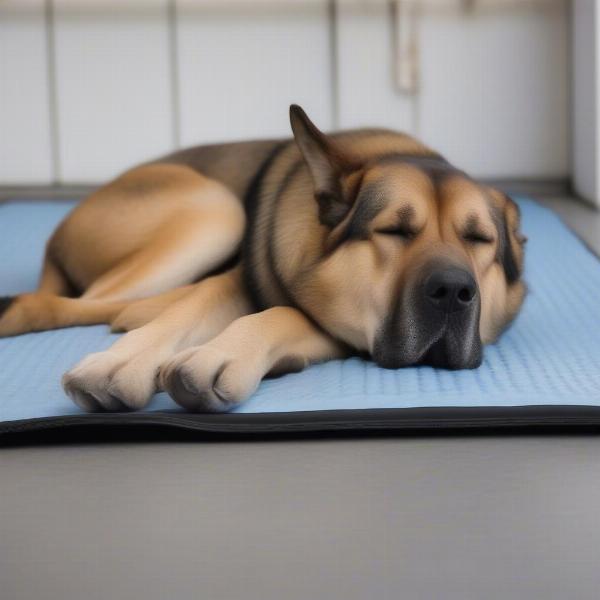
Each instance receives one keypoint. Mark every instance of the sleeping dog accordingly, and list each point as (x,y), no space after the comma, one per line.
(229,262)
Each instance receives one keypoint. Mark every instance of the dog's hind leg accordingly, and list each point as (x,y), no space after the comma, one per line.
(40,311)
(193,241)
(43,310)
(14,310)
(53,280)
(182,251)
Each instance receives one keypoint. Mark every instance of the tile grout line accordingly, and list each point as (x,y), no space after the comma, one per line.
(334,64)
(52,91)
(172,18)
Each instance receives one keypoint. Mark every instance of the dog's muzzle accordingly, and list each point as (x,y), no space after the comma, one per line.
(435,321)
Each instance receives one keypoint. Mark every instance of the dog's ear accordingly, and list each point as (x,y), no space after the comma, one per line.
(512,253)
(511,241)
(327,164)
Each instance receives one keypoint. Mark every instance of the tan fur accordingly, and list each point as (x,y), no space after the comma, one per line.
(137,252)
(216,375)
(153,229)
(152,218)
(125,376)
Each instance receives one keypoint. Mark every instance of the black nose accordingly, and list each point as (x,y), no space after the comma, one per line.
(450,289)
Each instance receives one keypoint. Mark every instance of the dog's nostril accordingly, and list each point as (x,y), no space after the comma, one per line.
(440,293)
(466,294)
(450,289)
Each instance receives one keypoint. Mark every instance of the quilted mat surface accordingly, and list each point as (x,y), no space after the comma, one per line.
(549,357)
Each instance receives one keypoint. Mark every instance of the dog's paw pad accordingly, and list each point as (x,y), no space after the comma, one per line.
(106,381)
(208,380)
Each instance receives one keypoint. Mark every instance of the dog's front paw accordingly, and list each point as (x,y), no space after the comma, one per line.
(210,379)
(107,381)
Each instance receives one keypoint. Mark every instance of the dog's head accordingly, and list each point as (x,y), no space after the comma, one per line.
(420,264)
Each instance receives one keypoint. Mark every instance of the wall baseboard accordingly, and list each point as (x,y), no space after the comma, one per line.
(546,187)
(45,192)
(558,186)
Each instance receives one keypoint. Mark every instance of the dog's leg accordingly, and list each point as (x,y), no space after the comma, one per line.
(225,371)
(39,311)
(53,280)
(141,312)
(19,314)
(124,377)
(190,245)
(182,251)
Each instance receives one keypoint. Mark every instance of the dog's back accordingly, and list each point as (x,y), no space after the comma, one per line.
(234,164)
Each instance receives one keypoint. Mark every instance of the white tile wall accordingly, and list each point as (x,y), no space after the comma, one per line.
(241,67)
(367,91)
(586,99)
(25,133)
(114,105)
(495,90)
(136,78)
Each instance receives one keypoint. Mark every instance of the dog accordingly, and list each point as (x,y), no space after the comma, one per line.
(231,262)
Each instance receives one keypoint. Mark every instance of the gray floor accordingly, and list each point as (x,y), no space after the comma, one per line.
(427,518)
(582,218)
(412,518)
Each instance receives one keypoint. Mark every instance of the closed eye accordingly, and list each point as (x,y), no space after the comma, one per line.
(477,237)
(398,231)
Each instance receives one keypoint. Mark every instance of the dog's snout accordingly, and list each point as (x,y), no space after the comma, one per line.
(450,289)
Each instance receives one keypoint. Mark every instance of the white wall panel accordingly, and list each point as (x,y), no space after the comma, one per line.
(495,90)
(586,99)
(113,86)
(494,85)
(241,66)
(365,52)
(25,147)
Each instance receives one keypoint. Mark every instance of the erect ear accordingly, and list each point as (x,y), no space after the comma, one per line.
(327,164)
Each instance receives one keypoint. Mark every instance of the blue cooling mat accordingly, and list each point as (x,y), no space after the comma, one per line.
(544,370)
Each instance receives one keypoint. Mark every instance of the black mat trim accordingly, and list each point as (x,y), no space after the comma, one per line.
(332,421)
